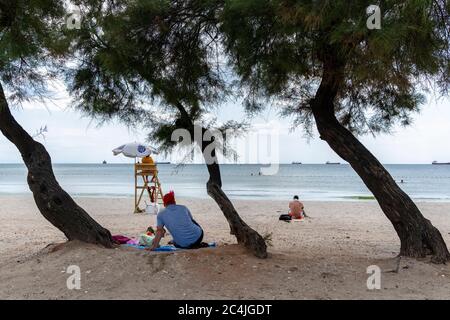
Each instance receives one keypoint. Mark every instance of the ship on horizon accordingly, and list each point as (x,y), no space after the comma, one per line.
(440,163)
(328,162)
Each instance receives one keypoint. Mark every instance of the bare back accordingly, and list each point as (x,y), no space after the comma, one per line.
(296,209)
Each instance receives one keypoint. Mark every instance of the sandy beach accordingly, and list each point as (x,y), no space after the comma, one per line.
(323,257)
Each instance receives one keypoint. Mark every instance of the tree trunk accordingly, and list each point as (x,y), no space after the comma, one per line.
(245,235)
(418,237)
(53,202)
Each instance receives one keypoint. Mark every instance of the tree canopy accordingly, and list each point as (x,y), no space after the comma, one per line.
(280,49)
(32,45)
(141,58)
(189,52)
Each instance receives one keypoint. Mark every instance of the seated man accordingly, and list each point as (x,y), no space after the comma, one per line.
(148,160)
(151,189)
(296,209)
(186,233)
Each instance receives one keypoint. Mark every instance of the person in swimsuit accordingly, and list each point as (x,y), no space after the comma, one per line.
(296,209)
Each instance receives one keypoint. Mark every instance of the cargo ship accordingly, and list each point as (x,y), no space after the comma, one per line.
(440,163)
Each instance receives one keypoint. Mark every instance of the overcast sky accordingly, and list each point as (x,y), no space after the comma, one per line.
(71,138)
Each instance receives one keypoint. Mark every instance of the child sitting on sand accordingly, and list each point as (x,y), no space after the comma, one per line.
(146,239)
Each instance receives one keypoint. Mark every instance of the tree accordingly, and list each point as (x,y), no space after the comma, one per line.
(323,62)
(151,62)
(30,50)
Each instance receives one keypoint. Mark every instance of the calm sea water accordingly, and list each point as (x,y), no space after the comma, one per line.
(310,181)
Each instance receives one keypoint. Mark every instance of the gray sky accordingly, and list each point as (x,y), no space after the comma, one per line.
(74,139)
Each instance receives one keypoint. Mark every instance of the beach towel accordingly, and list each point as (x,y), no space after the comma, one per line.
(120,239)
(133,241)
(166,248)
(136,246)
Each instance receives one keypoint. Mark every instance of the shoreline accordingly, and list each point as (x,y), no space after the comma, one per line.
(356,198)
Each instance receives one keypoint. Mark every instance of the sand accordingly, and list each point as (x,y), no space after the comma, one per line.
(323,257)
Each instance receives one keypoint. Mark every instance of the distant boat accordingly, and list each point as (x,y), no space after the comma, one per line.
(166,162)
(328,162)
(296,162)
(104,162)
(440,163)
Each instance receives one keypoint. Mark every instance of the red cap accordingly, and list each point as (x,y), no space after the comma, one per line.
(169,198)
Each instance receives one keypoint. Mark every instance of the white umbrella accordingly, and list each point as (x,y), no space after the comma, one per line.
(135,150)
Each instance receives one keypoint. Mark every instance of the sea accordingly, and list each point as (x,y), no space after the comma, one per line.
(318,182)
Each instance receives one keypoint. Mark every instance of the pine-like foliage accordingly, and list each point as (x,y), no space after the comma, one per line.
(33,42)
(277,47)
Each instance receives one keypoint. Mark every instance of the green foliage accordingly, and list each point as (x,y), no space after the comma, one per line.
(153,60)
(279,47)
(148,62)
(32,43)
(142,59)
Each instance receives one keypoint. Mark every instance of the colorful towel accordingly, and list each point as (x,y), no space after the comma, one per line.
(120,239)
(133,241)
(136,246)
(165,248)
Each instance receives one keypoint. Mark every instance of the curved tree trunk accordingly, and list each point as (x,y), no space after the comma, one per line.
(244,234)
(53,202)
(418,236)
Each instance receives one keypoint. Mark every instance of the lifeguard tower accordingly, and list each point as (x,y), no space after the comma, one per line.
(146,182)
